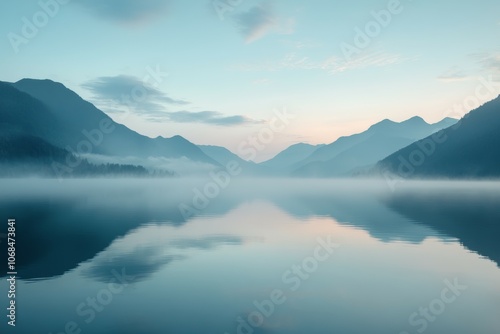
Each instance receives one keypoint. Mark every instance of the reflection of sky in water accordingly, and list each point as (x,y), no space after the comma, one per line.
(201,275)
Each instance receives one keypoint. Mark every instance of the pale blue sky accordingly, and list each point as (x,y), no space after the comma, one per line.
(225,77)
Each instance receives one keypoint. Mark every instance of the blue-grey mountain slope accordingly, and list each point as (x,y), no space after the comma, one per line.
(73,120)
(224,156)
(292,155)
(23,156)
(359,151)
(469,149)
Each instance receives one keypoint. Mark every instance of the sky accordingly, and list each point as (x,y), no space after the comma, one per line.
(218,71)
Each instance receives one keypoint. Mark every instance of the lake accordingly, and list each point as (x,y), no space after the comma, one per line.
(253,256)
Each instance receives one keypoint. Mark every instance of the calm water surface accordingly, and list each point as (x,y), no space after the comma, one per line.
(263,256)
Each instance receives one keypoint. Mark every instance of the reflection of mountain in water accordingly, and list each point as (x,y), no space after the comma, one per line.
(469,212)
(57,232)
(470,215)
(146,260)
(357,210)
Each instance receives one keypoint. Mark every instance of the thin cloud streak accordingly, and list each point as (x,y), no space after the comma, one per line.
(453,74)
(127,93)
(332,65)
(260,21)
(124,92)
(209,117)
(125,11)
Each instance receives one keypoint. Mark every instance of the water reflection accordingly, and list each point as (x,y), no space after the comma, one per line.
(142,261)
(469,213)
(67,227)
(201,274)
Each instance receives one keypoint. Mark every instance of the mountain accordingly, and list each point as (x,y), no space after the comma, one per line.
(223,156)
(290,156)
(352,153)
(24,155)
(49,110)
(23,114)
(467,149)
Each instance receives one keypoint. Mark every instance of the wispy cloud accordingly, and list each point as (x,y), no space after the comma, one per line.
(126,11)
(122,92)
(487,63)
(295,44)
(490,62)
(262,81)
(130,94)
(209,117)
(331,65)
(483,63)
(335,65)
(261,20)
(453,74)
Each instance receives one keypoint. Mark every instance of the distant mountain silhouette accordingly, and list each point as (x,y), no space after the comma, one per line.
(65,123)
(468,149)
(224,156)
(292,155)
(24,155)
(49,110)
(348,154)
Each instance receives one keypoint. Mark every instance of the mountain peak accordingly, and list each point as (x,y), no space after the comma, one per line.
(382,124)
(48,90)
(300,145)
(52,112)
(179,140)
(387,122)
(465,155)
(415,120)
(46,82)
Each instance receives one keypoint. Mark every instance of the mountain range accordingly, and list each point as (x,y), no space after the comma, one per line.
(469,149)
(287,159)
(57,116)
(44,123)
(32,156)
(362,150)
(74,115)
